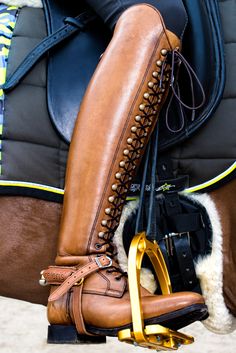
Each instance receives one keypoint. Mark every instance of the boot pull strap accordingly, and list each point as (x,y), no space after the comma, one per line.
(77,277)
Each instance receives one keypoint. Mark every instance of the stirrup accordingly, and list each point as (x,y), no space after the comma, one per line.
(150,336)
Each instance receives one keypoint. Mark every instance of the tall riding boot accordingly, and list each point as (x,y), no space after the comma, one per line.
(117,115)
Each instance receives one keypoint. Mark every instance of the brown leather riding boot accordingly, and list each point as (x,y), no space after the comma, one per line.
(118,113)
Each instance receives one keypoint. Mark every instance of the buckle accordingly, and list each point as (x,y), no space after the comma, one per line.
(169,242)
(100,265)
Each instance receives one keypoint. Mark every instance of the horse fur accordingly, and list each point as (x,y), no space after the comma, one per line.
(209,269)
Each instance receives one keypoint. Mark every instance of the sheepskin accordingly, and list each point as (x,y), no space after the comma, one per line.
(210,273)
(209,269)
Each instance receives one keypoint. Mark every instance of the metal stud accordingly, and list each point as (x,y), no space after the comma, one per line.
(138,118)
(146,95)
(122,163)
(150,84)
(145,134)
(130,178)
(134,128)
(129,140)
(150,123)
(159,63)
(163,90)
(126,152)
(155,74)
(164,52)
(111,199)
(107,210)
(159,100)
(104,222)
(42,280)
(101,234)
(118,175)
(142,107)
(114,187)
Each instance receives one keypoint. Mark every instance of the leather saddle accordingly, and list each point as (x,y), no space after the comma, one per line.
(76,40)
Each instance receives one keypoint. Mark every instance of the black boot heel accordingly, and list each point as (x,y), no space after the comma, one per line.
(59,334)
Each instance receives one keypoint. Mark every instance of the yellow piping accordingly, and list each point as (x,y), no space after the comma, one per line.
(22,184)
(59,191)
(212,181)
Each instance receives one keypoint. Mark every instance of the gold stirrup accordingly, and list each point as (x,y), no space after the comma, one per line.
(151,336)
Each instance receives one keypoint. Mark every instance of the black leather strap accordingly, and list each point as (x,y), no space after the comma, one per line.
(72,26)
(184,257)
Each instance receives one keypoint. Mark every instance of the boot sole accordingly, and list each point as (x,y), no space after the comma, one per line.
(174,320)
(62,334)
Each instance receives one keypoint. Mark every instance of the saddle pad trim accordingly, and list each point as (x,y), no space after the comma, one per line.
(40,191)
(8,16)
(214,182)
(50,193)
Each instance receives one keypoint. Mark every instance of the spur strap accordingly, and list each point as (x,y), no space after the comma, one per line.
(77,277)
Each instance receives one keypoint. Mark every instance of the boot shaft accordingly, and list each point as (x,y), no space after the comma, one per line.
(117,116)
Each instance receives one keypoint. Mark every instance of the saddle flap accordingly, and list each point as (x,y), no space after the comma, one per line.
(71,65)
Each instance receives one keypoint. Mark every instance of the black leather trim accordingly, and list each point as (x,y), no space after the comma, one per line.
(72,26)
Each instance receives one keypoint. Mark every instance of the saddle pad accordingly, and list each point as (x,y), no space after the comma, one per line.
(7,24)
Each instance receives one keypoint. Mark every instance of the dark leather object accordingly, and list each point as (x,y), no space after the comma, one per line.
(71,65)
(203,48)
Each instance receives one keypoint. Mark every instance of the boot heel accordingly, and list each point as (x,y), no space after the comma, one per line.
(61,334)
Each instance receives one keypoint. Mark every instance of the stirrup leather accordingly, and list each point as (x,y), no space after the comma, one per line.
(150,336)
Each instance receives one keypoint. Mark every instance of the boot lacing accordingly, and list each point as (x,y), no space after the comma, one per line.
(139,131)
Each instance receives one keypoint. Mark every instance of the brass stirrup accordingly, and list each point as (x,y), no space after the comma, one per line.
(150,336)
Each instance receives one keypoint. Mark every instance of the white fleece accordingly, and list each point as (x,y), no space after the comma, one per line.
(146,277)
(21,3)
(210,273)
(209,269)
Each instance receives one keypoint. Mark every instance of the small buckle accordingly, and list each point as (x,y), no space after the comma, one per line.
(98,262)
(169,242)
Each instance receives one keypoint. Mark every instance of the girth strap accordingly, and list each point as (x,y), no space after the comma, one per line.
(185,261)
(72,26)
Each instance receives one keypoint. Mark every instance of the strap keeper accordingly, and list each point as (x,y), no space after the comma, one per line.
(76,22)
(100,265)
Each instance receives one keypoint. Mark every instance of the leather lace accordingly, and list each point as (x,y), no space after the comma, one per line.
(176,60)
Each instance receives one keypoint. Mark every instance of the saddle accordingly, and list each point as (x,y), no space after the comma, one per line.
(74,31)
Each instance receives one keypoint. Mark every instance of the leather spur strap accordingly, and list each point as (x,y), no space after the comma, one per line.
(98,263)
